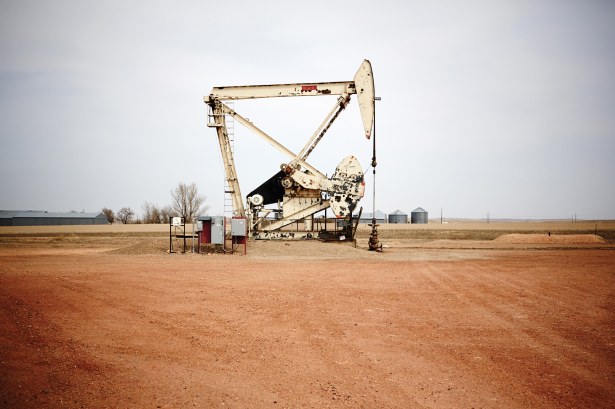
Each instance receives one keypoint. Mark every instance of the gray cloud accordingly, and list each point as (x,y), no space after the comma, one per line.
(500,107)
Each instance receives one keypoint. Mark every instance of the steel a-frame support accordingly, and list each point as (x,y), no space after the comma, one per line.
(219,122)
(362,85)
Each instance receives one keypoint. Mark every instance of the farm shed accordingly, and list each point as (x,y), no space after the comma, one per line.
(398,217)
(44,218)
(367,217)
(418,216)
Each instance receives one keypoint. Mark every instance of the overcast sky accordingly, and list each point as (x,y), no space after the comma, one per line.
(499,107)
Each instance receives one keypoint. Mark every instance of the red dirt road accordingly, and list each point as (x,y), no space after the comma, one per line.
(413,328)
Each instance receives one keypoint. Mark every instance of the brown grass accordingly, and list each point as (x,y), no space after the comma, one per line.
(488,231)
(460,230)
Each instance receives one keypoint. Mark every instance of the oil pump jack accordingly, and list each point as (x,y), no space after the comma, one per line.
(298,189)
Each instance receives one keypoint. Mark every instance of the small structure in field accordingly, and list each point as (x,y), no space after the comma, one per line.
(366,217)
(419,216)
(398,217)
(44,218)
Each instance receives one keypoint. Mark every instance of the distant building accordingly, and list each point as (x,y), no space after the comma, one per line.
(398,217)
(44,218)
(367,217)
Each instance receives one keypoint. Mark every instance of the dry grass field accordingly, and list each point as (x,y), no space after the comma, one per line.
(451,230)
(457,315)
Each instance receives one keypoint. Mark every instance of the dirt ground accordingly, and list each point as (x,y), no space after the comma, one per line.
(117,322)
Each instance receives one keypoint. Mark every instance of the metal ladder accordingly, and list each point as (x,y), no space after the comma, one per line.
(228,200)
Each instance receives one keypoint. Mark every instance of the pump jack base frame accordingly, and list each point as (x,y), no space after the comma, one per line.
(323,235)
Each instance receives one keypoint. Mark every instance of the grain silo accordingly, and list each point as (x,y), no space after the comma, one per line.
(398,217)
(418,216)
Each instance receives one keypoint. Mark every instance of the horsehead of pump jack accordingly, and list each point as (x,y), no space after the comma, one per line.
(301,189)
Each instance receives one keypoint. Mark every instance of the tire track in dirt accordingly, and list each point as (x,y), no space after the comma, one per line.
(183,330)
(539,341)
(307,325)
(41,365)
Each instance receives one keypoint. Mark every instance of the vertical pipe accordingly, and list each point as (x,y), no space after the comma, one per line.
(184,227)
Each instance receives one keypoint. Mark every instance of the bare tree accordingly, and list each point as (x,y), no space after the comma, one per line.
(110,215)
(146,207)
(187,202)
(166,213)
(125,215)
(151,213)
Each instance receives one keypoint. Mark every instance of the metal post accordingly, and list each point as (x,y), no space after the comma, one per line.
(184,228)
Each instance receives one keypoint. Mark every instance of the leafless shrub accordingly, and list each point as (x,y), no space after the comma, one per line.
(110,214)
(152,213)
(125,215)
(187,202)
(166,213)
